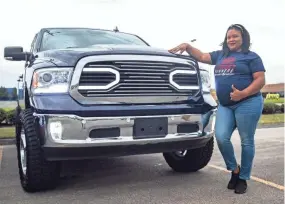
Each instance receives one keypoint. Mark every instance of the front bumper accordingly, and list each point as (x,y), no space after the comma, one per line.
(74,138)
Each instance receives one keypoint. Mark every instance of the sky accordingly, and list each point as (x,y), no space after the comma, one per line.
(162,23)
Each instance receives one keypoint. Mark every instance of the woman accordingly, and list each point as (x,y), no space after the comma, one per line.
(239,77)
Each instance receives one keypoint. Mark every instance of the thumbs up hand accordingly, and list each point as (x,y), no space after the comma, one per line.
(236,95)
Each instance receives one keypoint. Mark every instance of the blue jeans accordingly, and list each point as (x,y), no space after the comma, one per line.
(244,116)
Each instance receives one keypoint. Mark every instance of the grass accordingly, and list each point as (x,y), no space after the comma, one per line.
(9,132)
(272,118)
(8,109)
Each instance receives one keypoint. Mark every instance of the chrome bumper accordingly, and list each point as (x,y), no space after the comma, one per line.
(75,131)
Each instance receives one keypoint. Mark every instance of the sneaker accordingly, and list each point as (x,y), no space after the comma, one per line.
(234,179)
(241,186)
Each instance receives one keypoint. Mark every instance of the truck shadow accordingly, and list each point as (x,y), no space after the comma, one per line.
(118,172)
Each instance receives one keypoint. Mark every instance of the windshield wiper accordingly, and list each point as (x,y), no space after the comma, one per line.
(72,47)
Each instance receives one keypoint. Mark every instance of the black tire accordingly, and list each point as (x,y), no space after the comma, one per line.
(193,160)
(40,174)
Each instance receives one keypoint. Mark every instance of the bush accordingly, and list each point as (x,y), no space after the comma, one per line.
(277,107)
(282,108)
(269,108)
(10,116)
(2,115)
(7,116)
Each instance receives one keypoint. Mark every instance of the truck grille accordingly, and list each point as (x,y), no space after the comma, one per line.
(96,79)
(136,78)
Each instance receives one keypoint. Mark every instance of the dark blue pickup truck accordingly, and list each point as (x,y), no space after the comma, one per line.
(100,93)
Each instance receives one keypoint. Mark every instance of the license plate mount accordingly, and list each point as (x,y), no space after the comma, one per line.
(150,127)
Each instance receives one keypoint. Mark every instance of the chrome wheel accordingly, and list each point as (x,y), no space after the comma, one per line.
(23,152)
(181,153)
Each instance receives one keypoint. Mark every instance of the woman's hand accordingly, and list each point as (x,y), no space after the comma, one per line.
(237,95)
(182,48)
(194,52)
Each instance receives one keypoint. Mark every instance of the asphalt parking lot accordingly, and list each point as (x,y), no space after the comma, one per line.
(147,179)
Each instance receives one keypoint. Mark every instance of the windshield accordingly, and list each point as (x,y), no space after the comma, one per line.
(73,38)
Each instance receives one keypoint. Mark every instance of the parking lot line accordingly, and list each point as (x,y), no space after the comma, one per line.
(268,183)
(1,153)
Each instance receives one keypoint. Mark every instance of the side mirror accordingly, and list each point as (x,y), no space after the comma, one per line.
(16,54)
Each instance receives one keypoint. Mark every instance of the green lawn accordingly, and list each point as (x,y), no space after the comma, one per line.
(7,132)
(265,119)
(272,118)
(8,109)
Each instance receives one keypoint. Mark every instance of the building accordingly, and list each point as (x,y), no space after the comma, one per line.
(268,88)
(273,89)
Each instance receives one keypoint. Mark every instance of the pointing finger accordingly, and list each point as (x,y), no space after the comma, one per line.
(174,49)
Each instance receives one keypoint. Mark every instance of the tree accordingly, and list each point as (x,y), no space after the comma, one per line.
(3,93)
(14,94)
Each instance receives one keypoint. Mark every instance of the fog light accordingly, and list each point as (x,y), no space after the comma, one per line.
(55,129)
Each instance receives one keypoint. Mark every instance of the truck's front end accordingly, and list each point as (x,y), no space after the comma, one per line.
(115,100)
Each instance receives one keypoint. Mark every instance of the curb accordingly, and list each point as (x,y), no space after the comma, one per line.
(273,125)
(11,141)
(7,141)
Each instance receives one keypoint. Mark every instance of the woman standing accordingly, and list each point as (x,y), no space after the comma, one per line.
(239,77)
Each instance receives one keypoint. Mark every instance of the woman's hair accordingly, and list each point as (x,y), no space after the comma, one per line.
(245,39)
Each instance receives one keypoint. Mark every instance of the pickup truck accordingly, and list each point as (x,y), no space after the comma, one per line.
(92,93)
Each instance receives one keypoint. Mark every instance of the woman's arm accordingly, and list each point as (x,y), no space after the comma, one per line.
(258,72)
(199,55)
(256,85)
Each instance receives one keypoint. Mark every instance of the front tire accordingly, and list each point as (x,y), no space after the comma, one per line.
(190,160)
(36,174)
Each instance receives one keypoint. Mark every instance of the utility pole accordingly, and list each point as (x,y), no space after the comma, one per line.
(20,79)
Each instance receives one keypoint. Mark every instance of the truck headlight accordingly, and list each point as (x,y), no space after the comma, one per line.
(51,80)
(206,80)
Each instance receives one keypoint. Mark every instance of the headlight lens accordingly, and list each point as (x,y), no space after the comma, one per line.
(206,81)
(51,80)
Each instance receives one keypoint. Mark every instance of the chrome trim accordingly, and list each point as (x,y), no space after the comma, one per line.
(23,152)
(173,83)
(76,129)
(140,99)
(146,63)
(130,141)
(116,99)
(101,69)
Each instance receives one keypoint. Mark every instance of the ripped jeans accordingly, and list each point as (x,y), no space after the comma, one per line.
(244,116)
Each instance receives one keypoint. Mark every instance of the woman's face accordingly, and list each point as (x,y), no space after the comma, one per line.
(234,40)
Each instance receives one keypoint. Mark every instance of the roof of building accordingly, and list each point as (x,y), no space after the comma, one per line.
(271,88)
(268,88)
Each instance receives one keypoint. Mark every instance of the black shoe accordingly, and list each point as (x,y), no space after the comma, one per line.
(241,186)
(234,179)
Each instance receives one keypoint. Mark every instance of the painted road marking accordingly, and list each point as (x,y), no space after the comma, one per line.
(268,183)
(1,153)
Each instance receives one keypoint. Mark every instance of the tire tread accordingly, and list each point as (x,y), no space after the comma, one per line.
(41,174)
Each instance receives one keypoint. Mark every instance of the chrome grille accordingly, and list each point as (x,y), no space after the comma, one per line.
(185,79)
(137,78)
(97,79)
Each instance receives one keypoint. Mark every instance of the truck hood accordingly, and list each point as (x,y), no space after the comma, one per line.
(70,56)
